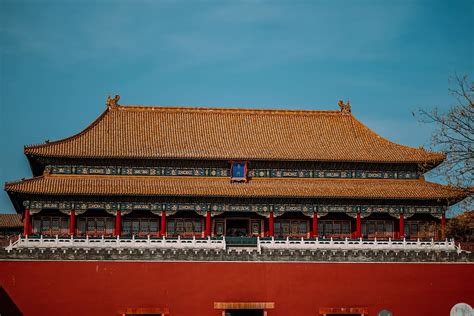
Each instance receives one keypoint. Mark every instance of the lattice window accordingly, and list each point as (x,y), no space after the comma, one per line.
(377,229)
(140,227)
(50,225)
(334,229)
(290,228)
(185,227)
(421,230)
(219,227)
(95,226)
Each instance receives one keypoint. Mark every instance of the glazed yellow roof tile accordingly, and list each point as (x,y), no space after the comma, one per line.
(223,187)
(10,221)
(247,134)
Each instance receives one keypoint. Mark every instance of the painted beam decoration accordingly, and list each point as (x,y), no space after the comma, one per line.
(219,208)
(226,172)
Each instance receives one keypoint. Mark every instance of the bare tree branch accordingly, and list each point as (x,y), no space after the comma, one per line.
(454,135)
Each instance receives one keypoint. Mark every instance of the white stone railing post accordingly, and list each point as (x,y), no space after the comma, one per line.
(208,243)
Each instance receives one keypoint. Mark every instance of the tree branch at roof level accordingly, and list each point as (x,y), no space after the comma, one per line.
(454,135)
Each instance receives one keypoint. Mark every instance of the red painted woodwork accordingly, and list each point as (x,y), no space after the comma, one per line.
(358,225)
(118,222)
(163,224)
(271,224)
(443,225)
(314,231)
(26,223)
(72,222)
(192,288)
(208,224)
(402,226)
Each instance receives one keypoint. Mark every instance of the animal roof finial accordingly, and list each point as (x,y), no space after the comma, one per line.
(113,102)
(345,107)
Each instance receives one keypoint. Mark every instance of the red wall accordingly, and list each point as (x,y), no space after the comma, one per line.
(101,288)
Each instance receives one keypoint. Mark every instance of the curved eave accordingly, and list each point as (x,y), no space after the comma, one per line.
(222,187)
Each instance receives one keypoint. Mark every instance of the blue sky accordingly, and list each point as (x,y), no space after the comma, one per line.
(60,59)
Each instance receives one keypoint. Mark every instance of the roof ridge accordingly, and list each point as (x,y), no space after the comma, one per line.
(207,109)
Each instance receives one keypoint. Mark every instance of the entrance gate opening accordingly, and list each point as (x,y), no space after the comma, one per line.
(244,312)
(237,227)
(244,308)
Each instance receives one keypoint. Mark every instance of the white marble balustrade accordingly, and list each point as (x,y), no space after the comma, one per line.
(356,244)
(220,244)
(116,243)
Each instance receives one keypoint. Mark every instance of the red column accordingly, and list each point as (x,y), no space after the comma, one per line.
(118,223)
(443,225)
(270,224)
(358,234)
(314,232)
(72,223)
(401,233)
(163,224)
(26,223)
(208,224)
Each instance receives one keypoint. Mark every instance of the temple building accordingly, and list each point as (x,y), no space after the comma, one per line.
(209,172)
(232,212)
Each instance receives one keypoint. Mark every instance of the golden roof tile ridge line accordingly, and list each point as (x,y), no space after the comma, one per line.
(28,148)
(207,109)
(439,155)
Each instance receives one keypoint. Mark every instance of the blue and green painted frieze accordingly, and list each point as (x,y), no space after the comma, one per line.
(225,172)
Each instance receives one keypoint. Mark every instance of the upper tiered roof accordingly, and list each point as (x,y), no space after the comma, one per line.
(214,133)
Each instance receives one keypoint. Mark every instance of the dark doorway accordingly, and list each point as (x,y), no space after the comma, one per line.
(237,228)
(7,305)
(244,312)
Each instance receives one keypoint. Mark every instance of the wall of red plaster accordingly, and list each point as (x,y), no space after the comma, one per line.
(102,288)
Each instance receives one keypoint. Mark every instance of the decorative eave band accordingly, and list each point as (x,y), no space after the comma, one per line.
(80,207)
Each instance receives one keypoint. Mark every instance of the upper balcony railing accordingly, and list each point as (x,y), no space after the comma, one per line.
(223,243)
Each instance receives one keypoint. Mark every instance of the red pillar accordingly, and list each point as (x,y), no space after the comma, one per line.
(314,232)
(402,226)
(163,224)
(208,224)
(118,223)
(72,223)
(26,223)
(270,224)
(443,225)
(358,233)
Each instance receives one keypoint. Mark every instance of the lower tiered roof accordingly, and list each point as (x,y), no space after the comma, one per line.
(418,189)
